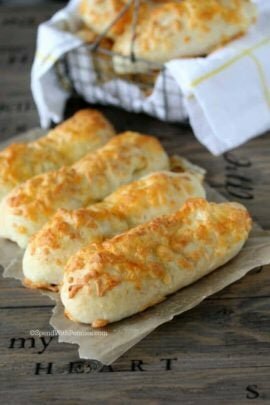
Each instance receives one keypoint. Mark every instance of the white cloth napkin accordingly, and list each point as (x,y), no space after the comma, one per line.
(225,95)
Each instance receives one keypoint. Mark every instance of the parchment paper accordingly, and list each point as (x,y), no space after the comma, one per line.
(122,335)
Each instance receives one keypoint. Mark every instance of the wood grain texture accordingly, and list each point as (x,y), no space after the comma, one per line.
(230,386)
(217,353)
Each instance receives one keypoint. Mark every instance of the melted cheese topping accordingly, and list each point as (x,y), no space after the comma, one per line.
(128,206)
(166,29)
(84,132)
(99,14)
(174,29)
(125,158)
(198,231)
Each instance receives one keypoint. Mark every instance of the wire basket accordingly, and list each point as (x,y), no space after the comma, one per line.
(88,71)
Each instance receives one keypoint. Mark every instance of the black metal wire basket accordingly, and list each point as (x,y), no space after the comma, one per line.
(88,71)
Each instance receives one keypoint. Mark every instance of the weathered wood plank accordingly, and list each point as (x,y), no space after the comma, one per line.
(213,352)
(18,27)
(217,334)
(227,386)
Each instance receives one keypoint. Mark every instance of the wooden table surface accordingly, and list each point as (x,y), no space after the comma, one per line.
(217,353)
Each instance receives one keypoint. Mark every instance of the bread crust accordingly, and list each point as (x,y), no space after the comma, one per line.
(86,131)
(188,28)
(123,159)
(130,272)
(130,205)
(99,14)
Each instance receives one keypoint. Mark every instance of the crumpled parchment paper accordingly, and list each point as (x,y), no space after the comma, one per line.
(110,343)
